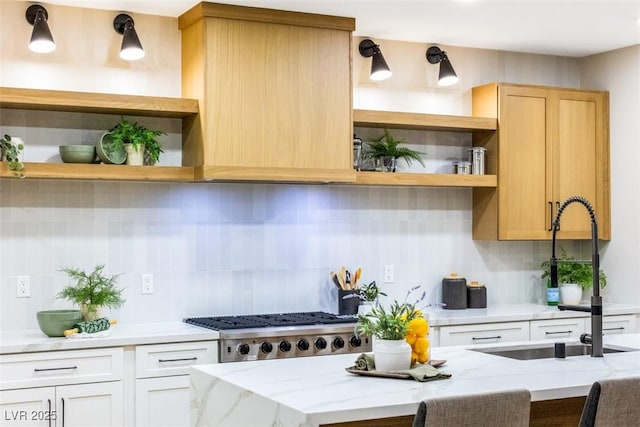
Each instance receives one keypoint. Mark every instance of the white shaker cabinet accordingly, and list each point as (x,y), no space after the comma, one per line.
(554,329)
(484,333)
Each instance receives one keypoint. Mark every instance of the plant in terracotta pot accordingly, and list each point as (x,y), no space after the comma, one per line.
(574,277)
(11,151)
(388,150)
(138,141)
(92,291)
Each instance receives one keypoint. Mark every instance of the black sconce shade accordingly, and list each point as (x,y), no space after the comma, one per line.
(379,68)
(447,75)
(131,49)
(41,38)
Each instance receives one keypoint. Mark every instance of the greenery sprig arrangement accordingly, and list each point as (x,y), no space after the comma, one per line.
(390,323)
(11,151)
(92,289)
(371,292)
(388,145)
(126,132)
(571,270)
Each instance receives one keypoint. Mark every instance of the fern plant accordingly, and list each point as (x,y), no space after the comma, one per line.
(92,289)
(126,132)
(571,270)
(389,146)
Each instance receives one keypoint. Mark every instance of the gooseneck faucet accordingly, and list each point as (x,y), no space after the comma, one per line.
(595,338)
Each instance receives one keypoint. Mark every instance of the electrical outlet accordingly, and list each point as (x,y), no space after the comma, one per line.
(23,287)
(147,284)
(388,274)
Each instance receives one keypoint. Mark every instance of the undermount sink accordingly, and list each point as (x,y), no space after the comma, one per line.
(542,351)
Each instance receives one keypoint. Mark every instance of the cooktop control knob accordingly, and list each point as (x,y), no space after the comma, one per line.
(266,347)
(303,344)
(355,341)
(243,349)
(321,343)
(338,342)
(284,346)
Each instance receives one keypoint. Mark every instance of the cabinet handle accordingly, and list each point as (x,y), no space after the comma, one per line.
(497,337)
(557,332)
(550,216)
(621,328)
(62,400)
(557,209)
(177,360)
(54,369)
(49,412)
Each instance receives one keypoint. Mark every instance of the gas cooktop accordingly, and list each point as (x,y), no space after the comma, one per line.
(222,323)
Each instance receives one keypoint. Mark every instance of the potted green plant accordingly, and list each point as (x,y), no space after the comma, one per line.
(388,150)
(138,141)
(574,277)
(369,295)
(11,151)
(92,291)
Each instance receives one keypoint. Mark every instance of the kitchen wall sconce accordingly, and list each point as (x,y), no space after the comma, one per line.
(379,68)
(41,38)
(131,49)
(447,75)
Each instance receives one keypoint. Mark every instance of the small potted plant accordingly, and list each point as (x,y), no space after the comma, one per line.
(11,151)
(387,150)
(369,295)
(92,291)
(574,277)
(140,143)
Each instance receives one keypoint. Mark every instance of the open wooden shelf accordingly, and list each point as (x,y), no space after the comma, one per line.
(426,180)
(84,102)
(417,121)
(101,172)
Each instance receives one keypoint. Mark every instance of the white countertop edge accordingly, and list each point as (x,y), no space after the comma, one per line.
(33,340)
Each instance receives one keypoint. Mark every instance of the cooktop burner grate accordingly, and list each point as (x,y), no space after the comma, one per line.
(269,320)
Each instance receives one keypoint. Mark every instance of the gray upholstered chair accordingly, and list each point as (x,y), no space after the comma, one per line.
(612,402)
(500,409)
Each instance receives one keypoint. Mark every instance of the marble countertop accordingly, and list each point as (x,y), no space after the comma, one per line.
(310,391)
(127,334)
(516,312)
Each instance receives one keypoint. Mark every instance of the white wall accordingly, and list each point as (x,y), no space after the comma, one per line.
(242,248)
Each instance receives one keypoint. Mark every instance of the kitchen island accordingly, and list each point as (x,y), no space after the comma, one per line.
(317,391)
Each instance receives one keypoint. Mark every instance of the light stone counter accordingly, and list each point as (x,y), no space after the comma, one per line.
(516,312)
(312,391)
(120,335)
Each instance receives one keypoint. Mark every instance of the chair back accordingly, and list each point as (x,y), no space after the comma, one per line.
(612,402)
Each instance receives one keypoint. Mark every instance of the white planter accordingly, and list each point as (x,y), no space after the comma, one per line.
(135,157)
(391,355)
(570,293)
(365,307)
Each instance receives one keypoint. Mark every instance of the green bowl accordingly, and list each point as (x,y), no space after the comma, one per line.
(54,322)
(77,153)
(108,152)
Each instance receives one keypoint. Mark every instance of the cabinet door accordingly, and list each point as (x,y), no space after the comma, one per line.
(162,401)
(91,405)
(613,325)
(28,407)
(484,333)
(523,180)
(557,328)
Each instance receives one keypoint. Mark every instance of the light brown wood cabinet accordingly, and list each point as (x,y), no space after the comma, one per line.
(553,143)
(274,90)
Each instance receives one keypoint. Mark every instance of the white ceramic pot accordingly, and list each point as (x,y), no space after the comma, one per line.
(90,312)
(570,293)
(365,307)
(135,156)
(391,355)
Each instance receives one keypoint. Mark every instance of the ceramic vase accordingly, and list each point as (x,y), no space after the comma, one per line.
(391,355)
(135,155)
(91,312)
(365,307)
(570,293)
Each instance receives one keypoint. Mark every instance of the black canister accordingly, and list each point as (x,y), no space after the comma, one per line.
(476,295)
(454,292)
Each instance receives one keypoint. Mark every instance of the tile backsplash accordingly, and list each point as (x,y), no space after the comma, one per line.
(244,248)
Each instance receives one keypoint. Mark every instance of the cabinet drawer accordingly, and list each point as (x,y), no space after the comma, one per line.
(557,328)
(61,368)
(611,325)
(173,359)
(482,334)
